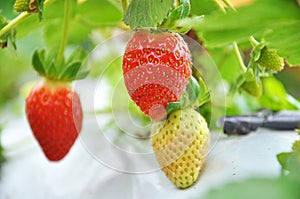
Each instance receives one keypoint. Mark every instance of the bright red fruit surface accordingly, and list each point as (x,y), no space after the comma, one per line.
(55,116)
(156,68)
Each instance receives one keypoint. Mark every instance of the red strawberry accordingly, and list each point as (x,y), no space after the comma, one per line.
(156,68)
(54,113)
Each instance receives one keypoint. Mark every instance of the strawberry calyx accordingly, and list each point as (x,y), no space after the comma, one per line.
(163,14)
(189,97)
(69,70)
(267,58)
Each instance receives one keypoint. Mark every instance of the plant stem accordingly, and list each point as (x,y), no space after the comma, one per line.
(21,17)
(64,39)
(14,22)
(239,57)
(253,41)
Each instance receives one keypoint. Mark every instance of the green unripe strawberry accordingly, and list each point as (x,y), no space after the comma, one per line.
(253,88)
(181,144)
(270,60)
(25,6)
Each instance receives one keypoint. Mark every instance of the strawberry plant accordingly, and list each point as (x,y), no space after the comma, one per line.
(166,77)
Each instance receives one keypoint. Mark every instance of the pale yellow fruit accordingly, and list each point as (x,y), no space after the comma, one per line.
(181,144)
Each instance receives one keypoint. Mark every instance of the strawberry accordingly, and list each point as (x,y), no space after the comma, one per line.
(253,88)
(25,6)
(270,60)
(54,113)
(181,144)
(156,68)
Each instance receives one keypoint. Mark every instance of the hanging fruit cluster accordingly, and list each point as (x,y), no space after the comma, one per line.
(157,70)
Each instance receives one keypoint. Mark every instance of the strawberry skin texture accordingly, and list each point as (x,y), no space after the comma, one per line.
(25,5)
(156,68)
(181,144)
(54,113)
(270,60)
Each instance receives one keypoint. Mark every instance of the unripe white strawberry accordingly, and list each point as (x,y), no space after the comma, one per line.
(181,145)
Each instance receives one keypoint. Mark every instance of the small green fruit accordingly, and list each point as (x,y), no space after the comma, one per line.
(270,60)
(25,6)
(253,88)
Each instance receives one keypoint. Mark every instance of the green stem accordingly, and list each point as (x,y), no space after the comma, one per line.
(14,22)
(239,57)
(253,41)
(21,17)
(64,39)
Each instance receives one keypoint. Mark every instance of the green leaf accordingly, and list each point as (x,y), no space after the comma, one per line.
(296,146)
(52,72)
(40,8)
(275,97)
(255,54)
(283,159)
(82,74)
(9,36)
(88,10)
(286,39)
(78,55)
(280,27)
(38,62)
(203,7)
(258,188)
(180,12)
(174,16)
(203,95)
(186,8)
(147,14)
(71,71)
(173,106)
(193,89)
